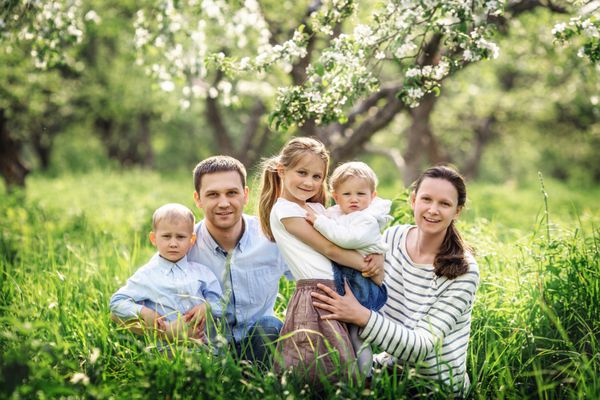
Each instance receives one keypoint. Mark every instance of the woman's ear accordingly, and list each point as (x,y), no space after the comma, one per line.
(413,197)
(458,210)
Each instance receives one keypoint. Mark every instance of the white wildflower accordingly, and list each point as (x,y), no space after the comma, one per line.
(95,355)
(80,377)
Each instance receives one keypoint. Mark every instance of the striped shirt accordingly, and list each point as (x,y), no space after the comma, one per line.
(427,319)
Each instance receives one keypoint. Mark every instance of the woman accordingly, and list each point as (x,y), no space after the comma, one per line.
(431,278)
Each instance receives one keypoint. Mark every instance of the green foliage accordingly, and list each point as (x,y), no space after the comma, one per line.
(535,325)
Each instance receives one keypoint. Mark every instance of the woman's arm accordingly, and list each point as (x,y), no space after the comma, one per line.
(395,338)
(304,231)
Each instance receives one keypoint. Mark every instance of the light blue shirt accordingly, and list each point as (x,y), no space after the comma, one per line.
(170,289)
(250,280)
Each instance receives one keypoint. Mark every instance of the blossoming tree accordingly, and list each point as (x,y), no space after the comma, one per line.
(341,70)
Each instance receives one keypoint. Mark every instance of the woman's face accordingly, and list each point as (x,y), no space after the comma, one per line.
(435,205)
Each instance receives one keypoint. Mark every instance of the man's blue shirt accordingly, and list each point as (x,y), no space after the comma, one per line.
(255,266)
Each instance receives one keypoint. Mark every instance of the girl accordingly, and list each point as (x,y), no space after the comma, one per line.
(293,183)
(431,278)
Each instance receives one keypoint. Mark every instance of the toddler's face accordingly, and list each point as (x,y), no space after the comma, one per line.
(173,238)
(354,194)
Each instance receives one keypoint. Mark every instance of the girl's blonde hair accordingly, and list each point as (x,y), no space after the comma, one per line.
(271,184)
(356,169)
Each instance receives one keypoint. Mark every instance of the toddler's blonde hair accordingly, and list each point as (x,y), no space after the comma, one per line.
(356,169)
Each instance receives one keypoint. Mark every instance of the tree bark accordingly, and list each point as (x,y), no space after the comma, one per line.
(145,145)
(12,167)
(484,133)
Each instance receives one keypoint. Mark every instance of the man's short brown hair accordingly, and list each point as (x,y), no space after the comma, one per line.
(215,164)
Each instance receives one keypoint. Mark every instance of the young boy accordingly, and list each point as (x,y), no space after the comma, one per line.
(170,293)
(355,222)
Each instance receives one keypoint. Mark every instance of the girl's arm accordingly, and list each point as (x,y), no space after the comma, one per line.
(304,231)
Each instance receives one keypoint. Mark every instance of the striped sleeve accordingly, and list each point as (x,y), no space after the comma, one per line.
(453,302)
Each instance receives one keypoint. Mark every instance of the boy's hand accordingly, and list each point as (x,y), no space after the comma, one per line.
(310,217)
(195,314)
(374,269)
(196,317)
(152,319)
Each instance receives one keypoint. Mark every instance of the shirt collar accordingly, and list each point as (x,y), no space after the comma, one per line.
(167,266)
(212,244)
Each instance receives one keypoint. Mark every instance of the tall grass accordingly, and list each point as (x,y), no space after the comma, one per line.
(68,244)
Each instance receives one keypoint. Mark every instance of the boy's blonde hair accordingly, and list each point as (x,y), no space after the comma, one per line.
(172,212)
(357,169)
(271,184)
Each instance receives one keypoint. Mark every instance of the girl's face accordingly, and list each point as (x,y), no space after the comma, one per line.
(303,180)
(435,205)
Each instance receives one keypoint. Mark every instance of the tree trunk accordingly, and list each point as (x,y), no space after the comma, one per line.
(484,133)
(421,141)
(41,141)
(12,168)
(146,154)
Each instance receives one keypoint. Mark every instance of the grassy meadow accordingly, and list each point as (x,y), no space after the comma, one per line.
(67,243)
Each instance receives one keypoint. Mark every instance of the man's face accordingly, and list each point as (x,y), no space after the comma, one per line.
(222,197)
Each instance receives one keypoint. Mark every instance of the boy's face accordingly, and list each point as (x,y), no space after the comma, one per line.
(354,194)
(173,238)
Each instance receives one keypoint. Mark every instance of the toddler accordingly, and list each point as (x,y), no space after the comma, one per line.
(355,222)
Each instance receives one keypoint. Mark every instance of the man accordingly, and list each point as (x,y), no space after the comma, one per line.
(247,265)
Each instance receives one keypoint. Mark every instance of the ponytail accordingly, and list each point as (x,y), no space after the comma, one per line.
(270,189)
(450,260)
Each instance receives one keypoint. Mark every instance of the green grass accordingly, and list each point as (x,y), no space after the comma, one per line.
(68,243)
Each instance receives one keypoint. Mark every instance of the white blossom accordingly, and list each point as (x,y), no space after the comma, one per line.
(558,28)
(167,86)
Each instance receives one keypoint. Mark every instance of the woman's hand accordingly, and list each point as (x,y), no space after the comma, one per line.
(342,308)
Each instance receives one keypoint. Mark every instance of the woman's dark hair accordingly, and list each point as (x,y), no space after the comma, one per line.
(450,260)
